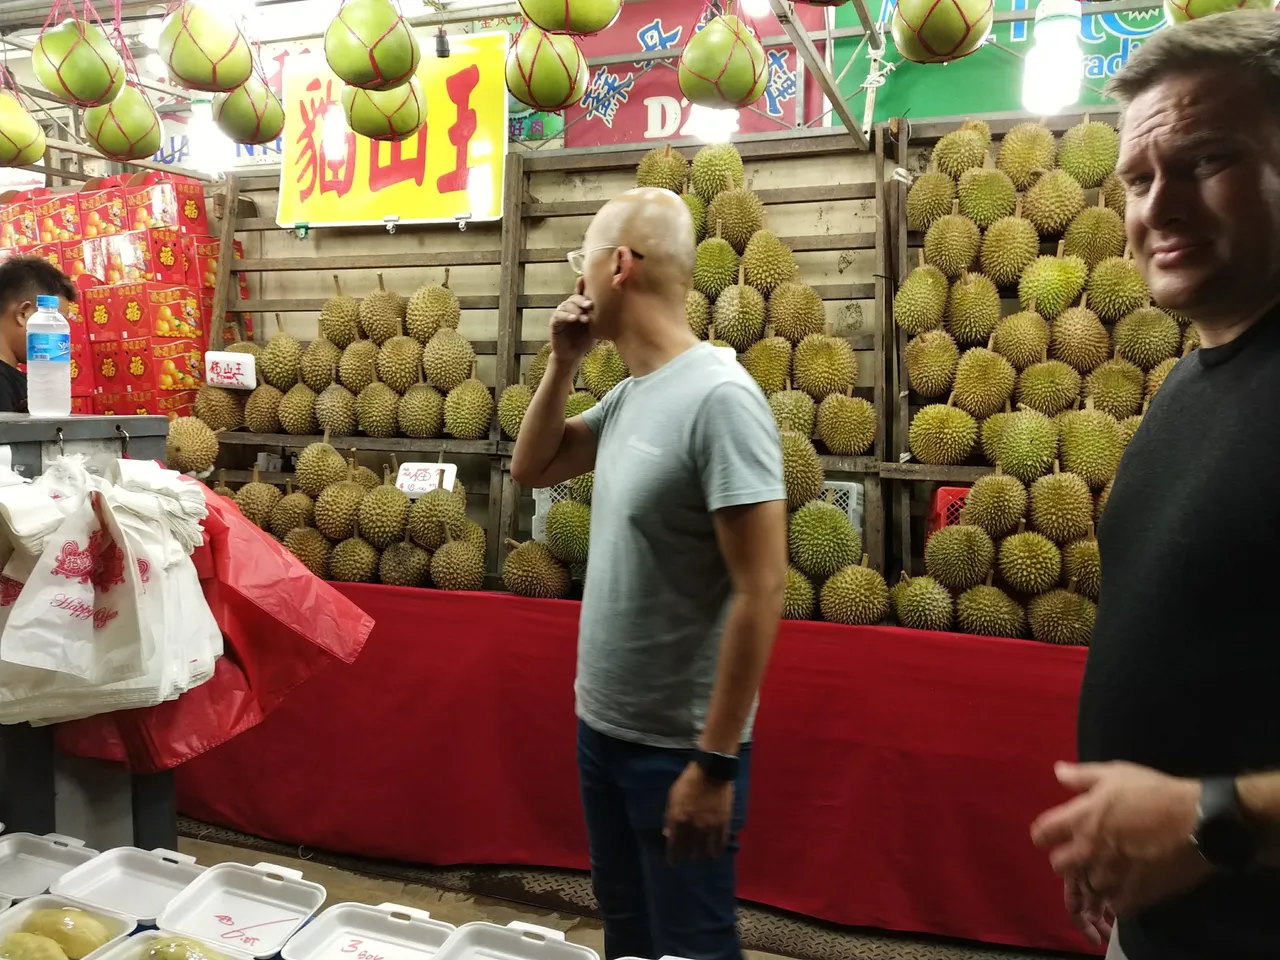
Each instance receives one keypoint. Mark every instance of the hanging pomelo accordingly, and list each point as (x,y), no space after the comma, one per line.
(723,65)
(77,63)
(127,128)
(204,50)
(937,31)
(371,46)
(1180,11)
(546,71)
(385,114)
(250,113)
(21,139)
(571,16)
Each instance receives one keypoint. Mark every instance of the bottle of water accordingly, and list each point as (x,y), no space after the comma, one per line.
(48,361)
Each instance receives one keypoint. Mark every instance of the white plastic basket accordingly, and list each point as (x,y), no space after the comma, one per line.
(849,497)
(516,941)
(30,864)
(388,931)
(544,498)
(133,882)
(118,926)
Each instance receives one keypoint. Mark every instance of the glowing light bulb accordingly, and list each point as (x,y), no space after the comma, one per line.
(755,8)
(333,135)
(210,150)
(1051,74)
(712,125)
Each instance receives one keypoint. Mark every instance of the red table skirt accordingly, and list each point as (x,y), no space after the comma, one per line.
(894,778)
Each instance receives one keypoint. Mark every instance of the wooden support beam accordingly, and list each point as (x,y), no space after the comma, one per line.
(222,282)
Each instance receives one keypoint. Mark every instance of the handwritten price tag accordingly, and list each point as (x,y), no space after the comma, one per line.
(415,479)
(356,948)
(233,371)
(243,935)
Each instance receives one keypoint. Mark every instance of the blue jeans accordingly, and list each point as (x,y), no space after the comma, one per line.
(651,908)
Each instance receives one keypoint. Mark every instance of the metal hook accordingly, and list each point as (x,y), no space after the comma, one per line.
(124,442)
(62,450)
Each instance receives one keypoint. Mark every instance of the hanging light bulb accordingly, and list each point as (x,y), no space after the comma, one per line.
(1051,74)
(755,8)
(210,150)
(333,134)
(712,125)
(156,66)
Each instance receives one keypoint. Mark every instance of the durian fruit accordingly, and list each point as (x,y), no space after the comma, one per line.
(222,489)
(256,499)
(458,565)
(1021,338)
(579,402)
(447,359)
(1082,562)
(432,307)
(1008,246)
(959,556)
(1029,562)
(569,531)
(318,365)
(358,365)
(801,469)
(468,409)
(354,560)
(855,595)
(740,213)
(1116,288)
(921,300)
(399,362)
(942,434)
(824,365)
(75,932)
(925,604)
(262,410)
(1115,387)
(1091,446)
(992,430)
(990,612)
(1052,202)
(1028,445)
(973,310)
(768,262)
(1147,336)
(376,408)
(959,151)
(895,591)
(581,487)
(1061,506)
(980,127)
(278,362)
(530,570)
(930,360)
(984,382)
(381,313)
(220,409)
(846,425)
(1157,375)
(795,311)
(319,465)
(951,244)
(697,213)
(336,410)
(1129,426)
(603,369)
(1190,340)
(1089,151)
(434,514)
(768,362)
(538,366)
(340,318)
(190,446)
(1062,616)
(1079,339)
(797,596)
(383,513)
(997,503)
(793,410)
(715,265)
(298,411)
(338,505)
(929,198)
(246,347)
(512,406)
(311,547)
(405,564)
(1050,387)
(30,946)
(1095,234)
(1026,151)
(1103,497)
(1113,194)
(294,509)
(366,477)
(664,168)
(1051,284)
(697,311)
(714,166)
(986,195)
(821,539)
(738,316)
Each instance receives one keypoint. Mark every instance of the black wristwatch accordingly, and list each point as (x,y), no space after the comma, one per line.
(721,767)
(1223,834)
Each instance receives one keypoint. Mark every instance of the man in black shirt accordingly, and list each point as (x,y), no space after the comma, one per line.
(22,279)
(1175,825)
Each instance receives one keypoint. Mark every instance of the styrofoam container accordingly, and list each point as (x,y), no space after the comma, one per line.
(357,931)
(250,909)
(516,941)
(29,864)
(133,948)
(136,883)
(119,926)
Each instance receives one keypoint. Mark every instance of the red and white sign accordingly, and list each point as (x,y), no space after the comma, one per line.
(233,371)
(415,479)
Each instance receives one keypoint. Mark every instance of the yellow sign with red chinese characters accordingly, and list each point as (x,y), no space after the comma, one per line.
(450,170)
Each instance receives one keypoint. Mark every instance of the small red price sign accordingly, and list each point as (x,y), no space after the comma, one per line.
(234,371)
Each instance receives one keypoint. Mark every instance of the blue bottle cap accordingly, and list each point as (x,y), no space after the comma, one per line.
(46,303)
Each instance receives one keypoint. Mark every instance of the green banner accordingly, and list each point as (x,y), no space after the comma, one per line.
(990,79)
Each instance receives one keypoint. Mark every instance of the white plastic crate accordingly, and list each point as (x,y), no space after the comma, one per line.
(544,498)
(349,931)
(849,497)
(133,882)
(29,864)
(118,926)
(516,941)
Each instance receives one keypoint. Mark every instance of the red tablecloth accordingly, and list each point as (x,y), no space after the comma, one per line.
(895,774)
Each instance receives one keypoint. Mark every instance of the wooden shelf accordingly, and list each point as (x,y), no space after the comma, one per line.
(928,472)
(928,131)
(823,146)
(833,464)
(825,193)
(834,241)
(368,261)
(371,444)
(266,224)
(476,489)
(316,304)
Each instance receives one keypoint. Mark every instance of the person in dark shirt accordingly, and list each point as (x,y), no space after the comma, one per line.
(22,279)
(1174,829)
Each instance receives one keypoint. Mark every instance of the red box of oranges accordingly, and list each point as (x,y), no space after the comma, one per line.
(175,403)
(45,251)
(102,211)
(57,218)
(168,263)
(156,199)
(17,220)
(123,366)
(142,404)
(83,382)
(73,264)
(81,406)
(119,258)
(173,310)
(179,364)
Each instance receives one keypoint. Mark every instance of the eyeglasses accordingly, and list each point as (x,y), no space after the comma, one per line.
(578,258)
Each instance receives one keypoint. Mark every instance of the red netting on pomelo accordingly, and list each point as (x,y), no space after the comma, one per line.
(216,61)
(741,32)
(10,86)
(87,16)
(400,24)
(918,30)
(526,73)
(109,118)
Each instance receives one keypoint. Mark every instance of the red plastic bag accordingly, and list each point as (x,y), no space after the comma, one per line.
(281,625)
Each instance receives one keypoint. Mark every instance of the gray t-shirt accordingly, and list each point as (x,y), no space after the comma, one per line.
(693,437)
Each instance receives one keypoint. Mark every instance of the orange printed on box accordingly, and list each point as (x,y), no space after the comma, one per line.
(167,263)
(179,364)
(140,404)
(175,403)
(57,218)
(102,209)
(173,310)
(158,199)
(46,251)
(73,264)
(119,258)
